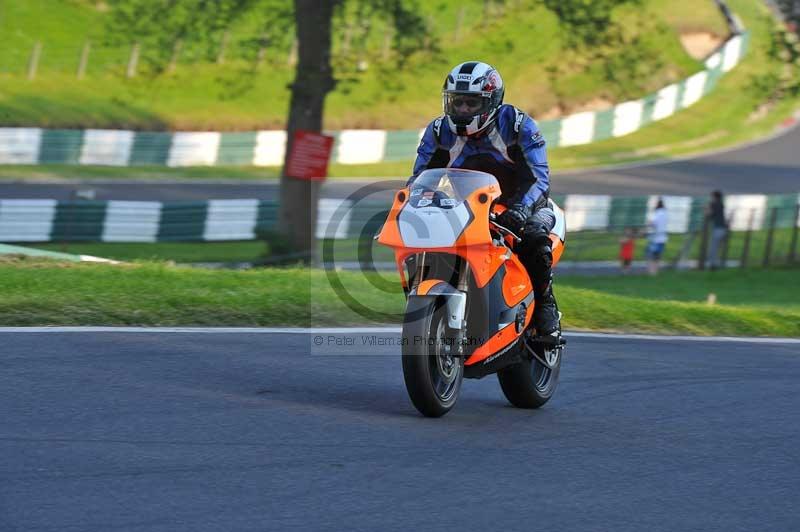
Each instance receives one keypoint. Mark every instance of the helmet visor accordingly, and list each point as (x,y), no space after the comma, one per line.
(466,104)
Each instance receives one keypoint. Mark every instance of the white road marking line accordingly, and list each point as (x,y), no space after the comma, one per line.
(375,330)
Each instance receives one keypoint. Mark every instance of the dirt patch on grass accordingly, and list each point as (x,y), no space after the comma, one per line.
(557,111)
(700,45)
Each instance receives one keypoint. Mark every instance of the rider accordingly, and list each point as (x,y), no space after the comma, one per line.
(478,132)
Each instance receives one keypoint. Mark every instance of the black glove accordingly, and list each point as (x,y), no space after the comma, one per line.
(514,217)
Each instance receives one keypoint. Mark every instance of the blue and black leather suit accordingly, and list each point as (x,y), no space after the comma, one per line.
(513,150)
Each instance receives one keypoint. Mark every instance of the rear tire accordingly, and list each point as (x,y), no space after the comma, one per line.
(530,384)
(432,372)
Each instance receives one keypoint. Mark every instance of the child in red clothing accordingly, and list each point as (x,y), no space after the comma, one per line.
(626,245)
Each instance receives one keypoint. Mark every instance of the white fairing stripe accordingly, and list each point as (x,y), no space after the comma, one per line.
(560,229)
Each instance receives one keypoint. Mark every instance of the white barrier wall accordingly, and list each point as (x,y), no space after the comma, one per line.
(587,212)
(231,220)
(270,148)
(106,147)
(577,129)
(26,220)
(20,145)
(194,149)
(131,221)
(360,146)
(325,218)
(679,211)
(627,117)
(745,211)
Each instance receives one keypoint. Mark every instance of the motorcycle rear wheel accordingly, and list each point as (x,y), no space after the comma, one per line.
(529,383)
(433,373)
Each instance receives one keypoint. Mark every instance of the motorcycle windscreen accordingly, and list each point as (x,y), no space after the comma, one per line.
(436,213)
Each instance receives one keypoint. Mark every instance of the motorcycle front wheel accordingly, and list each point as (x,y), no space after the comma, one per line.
(432,370)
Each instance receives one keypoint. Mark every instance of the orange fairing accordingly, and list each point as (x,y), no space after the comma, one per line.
(474,244)
(516,283)
(426,285)
(558,248)
(497,342)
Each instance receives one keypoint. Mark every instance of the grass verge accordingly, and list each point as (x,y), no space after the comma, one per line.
(581,246)
(42,292)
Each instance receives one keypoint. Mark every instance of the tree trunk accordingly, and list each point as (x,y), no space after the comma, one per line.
(313,81)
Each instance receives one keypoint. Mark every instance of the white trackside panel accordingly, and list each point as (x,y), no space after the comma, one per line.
(194,149)
(231,219)
(587,212)
(798,214)
(131,221)
(714,61)
(20,145)
(361,146)
(679,212)
(333,218)
(627,117)
(666,102)
(577,129)
(732,53)
(270,148)
(106,147)
(431,226)
(745,211)
(26,220)
(694,88)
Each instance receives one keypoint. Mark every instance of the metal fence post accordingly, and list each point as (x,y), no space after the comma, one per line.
(176,53)
(701,260)
(262,50)
(222,46)
(747,235)
(770,235)
(133,61)
(793,245)
(33,64)
(84,61)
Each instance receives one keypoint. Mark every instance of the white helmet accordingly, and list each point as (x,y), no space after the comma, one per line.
(471,96)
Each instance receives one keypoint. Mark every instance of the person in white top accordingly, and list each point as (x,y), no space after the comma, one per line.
(657,237)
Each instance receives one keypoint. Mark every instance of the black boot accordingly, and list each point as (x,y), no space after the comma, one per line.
(545,313)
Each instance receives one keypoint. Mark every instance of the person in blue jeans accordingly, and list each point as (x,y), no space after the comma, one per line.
(657,237)
(479,132)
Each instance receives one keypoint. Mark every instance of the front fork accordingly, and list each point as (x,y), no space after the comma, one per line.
(456,300)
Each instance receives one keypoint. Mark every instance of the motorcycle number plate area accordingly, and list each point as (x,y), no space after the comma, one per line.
(431,227)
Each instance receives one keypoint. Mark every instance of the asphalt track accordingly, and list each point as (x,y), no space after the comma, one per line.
(141,431)
(770,166)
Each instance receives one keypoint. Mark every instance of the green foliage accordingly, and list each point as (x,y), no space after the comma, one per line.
(784,48)
(159,24)
(588,22)
(791,12)
(390,67)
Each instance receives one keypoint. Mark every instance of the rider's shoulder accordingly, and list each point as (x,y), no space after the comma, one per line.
(513,121)
(436,126)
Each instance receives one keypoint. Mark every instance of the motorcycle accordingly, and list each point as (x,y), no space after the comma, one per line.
(469,300)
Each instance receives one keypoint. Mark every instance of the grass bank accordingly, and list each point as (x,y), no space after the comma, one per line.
(42,292)
(581,246)
(523,39)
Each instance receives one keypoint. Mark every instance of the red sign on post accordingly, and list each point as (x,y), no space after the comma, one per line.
(309,156)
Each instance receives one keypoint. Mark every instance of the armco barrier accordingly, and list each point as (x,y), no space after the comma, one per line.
(218,220)
(266,148)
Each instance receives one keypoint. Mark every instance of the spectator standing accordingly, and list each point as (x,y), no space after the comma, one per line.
(715,214)
(626,248)
(657,237)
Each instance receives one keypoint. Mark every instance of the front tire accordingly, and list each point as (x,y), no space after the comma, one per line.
(432,370)
(529,383)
